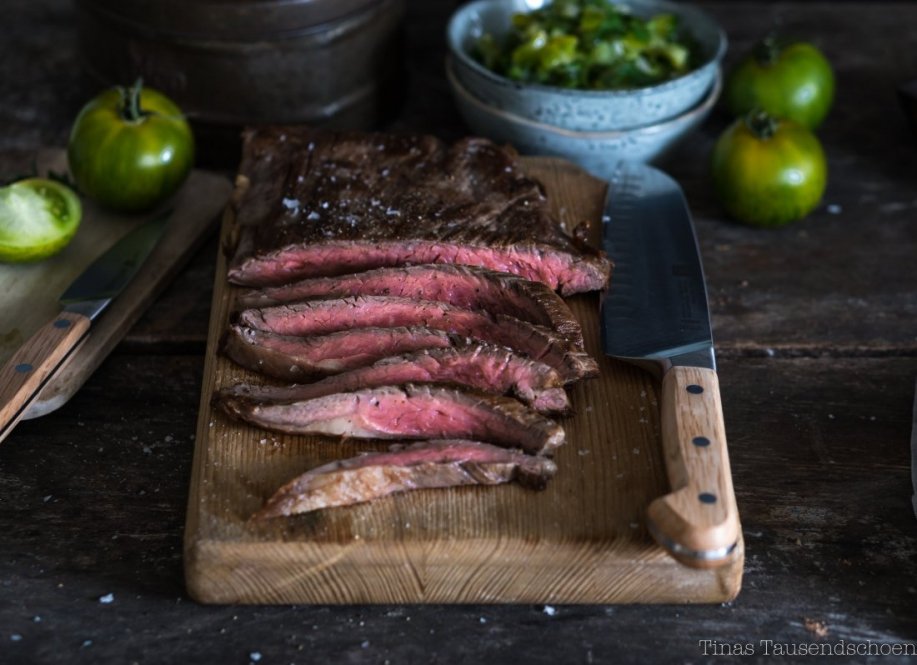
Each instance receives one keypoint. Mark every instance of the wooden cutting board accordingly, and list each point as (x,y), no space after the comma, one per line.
(29,292)
(582,540)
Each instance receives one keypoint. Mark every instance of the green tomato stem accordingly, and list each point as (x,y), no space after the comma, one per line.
(761,124)
(767,51)
(130,102)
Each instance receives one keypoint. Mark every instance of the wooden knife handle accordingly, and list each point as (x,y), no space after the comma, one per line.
(700,514)
(27,370)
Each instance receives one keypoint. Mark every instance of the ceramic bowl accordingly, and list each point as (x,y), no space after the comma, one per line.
(582,110)
(596,152)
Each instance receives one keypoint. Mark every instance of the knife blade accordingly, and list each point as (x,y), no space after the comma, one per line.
(655,314)
(34,363)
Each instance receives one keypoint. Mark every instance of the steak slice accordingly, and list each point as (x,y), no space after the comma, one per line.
(297,358)
(351,201)
(427,464)
(411,412)
(462,286)
(319,317)
(482,367)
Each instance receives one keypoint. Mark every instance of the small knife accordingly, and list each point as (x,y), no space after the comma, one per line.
(655,315)
(34,363)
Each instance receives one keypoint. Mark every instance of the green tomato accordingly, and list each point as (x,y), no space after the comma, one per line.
(768,172)
(38,218)
(130,149)
(793,82)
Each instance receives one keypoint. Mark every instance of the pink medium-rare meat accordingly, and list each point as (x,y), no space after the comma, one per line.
(320,317)
(463,286)
(423,465)
(405,412)
(345,202)
(296,358)
(482,367)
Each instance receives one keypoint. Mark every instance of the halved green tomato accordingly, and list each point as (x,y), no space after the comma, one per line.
(38,218)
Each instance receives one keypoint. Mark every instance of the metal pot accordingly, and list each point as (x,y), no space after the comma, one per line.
(238,62)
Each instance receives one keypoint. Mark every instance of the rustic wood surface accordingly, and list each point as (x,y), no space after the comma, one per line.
(817,343)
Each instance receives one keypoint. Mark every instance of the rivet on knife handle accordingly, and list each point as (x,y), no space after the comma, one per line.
(29,368)
(698,521)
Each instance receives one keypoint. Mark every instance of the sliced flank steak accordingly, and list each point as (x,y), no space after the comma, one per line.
(482,367)
(405,412)
(313,203)
(292,358)
(320,317)
(463,286)
(423,465)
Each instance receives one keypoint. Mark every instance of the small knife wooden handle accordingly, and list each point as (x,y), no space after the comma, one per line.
(25,373)
(699,521)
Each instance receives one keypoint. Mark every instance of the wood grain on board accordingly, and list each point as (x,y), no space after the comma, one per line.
(29,292)
(582,540)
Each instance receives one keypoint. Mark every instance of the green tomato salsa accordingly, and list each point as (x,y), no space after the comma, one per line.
(590,45)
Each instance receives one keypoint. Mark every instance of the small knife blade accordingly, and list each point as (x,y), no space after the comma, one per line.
(655,314)
(33,364)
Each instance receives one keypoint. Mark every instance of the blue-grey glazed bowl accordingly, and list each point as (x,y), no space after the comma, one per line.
(582,110)
(596,152)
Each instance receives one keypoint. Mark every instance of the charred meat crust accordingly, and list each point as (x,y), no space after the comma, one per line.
(322,203)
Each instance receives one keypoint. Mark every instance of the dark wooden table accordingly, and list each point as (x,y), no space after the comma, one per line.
(816,327)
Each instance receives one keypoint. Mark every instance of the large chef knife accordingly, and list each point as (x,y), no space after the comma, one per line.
(33,364)
(655,314)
